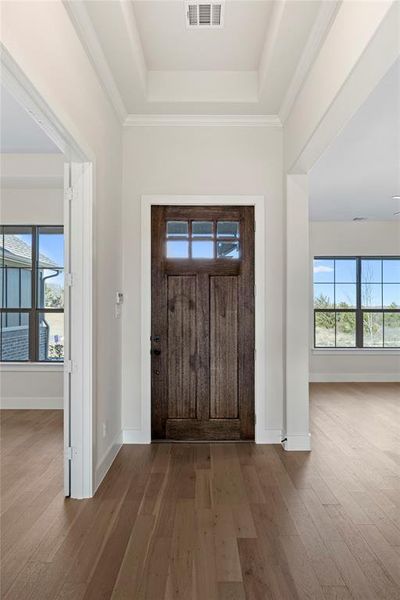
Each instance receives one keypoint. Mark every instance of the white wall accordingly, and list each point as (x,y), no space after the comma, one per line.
(31,386)
(31,206)
(195,161)
(42,40)
(354,239)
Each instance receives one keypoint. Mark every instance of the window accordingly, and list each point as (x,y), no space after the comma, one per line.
(203,239)
(32,293)
(357,302)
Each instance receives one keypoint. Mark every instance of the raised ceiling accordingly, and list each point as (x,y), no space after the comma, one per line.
(169,45)
(150,62)
(359,173)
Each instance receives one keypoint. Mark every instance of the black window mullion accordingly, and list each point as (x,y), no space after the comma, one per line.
(334,298)
(359,312)
(33,318)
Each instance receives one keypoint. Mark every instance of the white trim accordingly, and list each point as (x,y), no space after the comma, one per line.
(354,377)
(355,351)
(35,367)
(269,436)
(319,31)
(68,139)
(300,442)
(202,121)
(144,434)
(87,34)
(32,403)
(63,134)
(135,436)
(109,456)
(81,330)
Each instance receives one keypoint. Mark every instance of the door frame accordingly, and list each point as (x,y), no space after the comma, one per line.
(147,201)
(78,243)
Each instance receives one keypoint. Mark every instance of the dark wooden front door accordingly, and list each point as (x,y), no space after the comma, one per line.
(202,339)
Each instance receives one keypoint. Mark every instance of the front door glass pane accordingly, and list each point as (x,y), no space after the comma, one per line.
(178,229)
(227,229)
(177,249)
(202,249)
(202,228)
(228,250)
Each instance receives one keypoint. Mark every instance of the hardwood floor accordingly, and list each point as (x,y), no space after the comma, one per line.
(212,521)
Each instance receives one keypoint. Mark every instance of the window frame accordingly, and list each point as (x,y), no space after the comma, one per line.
(214,237)
(35,310)
(358,310)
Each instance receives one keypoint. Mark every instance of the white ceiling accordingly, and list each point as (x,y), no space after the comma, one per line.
(169,45)
(360,172)
(19,133)
(151,63)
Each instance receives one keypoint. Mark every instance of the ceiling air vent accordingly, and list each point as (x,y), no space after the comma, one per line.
(202,15)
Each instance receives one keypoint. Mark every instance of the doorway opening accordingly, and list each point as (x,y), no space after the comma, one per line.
(51,297)
(256,430)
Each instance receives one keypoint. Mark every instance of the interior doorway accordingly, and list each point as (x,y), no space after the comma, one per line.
(73,348)
(203,323)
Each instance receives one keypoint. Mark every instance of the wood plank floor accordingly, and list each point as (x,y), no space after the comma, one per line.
(212,522)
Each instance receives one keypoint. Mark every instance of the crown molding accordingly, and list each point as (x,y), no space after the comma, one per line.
(202,121)
(87,35)
(319,31)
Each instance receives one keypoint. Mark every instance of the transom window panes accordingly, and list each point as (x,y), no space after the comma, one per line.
(177,249)
(202,229)
(227,229)
(32,293)
(357,302)
(206,240)
(202,249)
(178,229)
(228,249)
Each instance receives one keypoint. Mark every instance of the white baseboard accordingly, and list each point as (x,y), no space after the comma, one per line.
(297,442)
(135,436)
(33,403)
(107,460)
(354,377)
(269,436)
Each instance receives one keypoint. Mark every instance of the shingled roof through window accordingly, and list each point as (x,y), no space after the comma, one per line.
(17,251)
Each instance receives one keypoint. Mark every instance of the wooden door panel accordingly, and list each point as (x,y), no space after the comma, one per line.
(223,347)
(182,352)
(212,430)
(202,326)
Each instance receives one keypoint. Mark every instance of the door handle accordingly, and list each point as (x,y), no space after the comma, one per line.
(156,351)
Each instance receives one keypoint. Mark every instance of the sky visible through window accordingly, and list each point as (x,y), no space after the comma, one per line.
(345,270)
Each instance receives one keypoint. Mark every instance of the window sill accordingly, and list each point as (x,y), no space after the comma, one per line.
(356,351)
(28,367)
